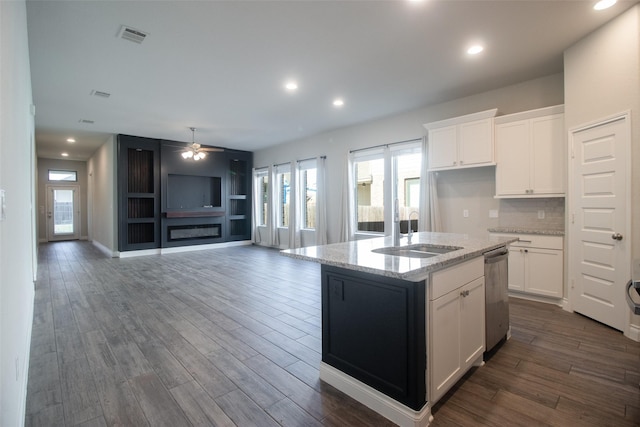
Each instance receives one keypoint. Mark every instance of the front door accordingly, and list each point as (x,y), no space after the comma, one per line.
(599,222)
(63,212)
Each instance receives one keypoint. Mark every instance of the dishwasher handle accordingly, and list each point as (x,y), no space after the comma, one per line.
(496,255)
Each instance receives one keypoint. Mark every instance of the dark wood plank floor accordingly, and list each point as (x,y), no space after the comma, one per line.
(232,337)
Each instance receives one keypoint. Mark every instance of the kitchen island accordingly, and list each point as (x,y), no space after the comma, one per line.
(400,325)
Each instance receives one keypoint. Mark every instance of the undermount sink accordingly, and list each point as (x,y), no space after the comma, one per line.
(417,251)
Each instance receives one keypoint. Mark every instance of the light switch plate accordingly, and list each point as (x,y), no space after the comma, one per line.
(465,213)
(493,213)
(540,214)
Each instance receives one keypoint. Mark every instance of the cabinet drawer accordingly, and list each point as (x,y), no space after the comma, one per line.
(451,278)
(534,241)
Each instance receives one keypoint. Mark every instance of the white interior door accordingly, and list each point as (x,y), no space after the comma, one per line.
(600,244)
(63,212)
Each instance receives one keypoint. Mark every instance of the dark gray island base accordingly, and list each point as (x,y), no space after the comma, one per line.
(373,329)
(399,326)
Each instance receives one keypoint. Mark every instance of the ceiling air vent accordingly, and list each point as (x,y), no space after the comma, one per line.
(100,94)
(89,122)
(132,34)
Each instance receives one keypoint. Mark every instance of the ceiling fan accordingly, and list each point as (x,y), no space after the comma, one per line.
(196,151)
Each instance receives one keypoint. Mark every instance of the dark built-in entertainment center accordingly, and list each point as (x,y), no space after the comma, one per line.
(167,201)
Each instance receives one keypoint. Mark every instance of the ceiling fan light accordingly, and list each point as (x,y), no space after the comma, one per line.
(187,154)
(202,154)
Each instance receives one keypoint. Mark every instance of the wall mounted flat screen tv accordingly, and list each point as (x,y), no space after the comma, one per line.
(193,192)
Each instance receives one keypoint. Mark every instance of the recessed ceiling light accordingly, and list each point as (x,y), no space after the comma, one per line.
(71,140)
(338,102)
(64,154)
(291,86)
(475,49)
(604,4)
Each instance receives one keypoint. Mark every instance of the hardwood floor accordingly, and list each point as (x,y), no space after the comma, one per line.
(232,337)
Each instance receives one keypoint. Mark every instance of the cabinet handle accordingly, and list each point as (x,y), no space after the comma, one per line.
(464,293)
(616,236)
(524,241)
(461,161)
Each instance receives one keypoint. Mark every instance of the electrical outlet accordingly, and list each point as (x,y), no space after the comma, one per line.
(540,214)
(493,213)
(465,213)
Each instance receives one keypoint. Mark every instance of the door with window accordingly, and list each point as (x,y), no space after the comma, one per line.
(380,177)
(63,212)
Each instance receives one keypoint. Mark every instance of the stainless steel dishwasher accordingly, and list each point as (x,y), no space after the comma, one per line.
(496,278)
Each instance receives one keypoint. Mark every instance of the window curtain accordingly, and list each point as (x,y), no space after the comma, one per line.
(257,203)
(348,208)
(295,210)
(321,201)
(424,224)
(429,208)
(274,204)
(434,209)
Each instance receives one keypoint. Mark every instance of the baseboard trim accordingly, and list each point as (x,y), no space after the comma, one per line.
(105,250)
(180,249)
(375,400)
(547,300)
(633,332)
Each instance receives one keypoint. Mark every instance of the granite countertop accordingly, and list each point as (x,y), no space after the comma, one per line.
(524,230)
(357,255)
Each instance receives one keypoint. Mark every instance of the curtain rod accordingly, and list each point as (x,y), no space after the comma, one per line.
(386,145)
(311,158)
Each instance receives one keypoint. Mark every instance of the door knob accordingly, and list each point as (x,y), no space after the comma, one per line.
(616,236)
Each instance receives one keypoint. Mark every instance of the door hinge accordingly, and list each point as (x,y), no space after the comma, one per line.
(573,218)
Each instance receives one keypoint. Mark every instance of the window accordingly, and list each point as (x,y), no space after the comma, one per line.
(369,179)
(262,196)
(60,175)
(408,162)
(308,193)
(380,176)
(283,178)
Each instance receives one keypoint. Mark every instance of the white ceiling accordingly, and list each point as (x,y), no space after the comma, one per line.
(220,66)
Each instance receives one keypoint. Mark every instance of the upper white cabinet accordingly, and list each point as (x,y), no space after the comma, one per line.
(462,142)
(530,153)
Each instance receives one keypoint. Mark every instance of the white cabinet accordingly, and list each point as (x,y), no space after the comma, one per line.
(536,265)
(462,142)
(456,325)
(530,153)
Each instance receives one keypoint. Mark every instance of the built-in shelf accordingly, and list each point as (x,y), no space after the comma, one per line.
(194,214)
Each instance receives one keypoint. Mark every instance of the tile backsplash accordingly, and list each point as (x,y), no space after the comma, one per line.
(524,213)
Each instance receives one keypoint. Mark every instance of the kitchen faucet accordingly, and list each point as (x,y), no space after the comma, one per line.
(410,232)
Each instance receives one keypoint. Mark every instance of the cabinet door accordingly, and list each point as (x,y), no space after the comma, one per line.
(472,324)
(516,268)
(443,148)
(544,272)
(444,339)
(475,143)
(512,158)
(548,154)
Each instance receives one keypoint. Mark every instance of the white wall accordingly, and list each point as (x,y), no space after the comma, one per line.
(102,205)
(44,165)
(602,78)
(17,230)
(335,145)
